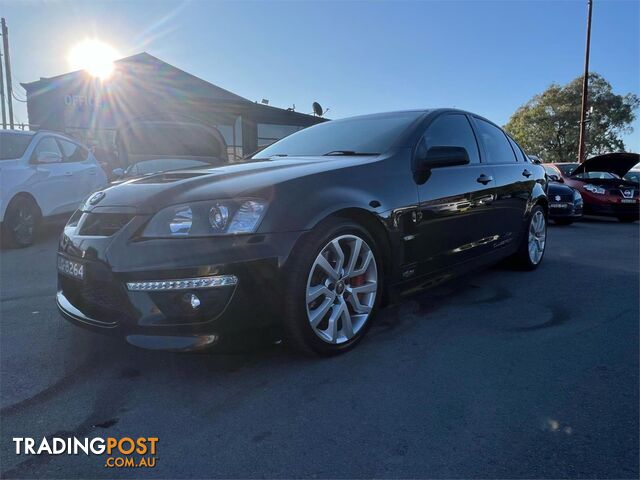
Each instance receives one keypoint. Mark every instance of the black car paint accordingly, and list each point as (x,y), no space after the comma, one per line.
(563,205)
(428,226)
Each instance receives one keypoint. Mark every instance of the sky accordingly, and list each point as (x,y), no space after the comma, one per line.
(355,57)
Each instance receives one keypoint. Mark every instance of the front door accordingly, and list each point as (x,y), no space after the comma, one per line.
(52,183)
(456,203)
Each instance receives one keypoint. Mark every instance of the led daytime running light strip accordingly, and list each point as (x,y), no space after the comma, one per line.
(183,284)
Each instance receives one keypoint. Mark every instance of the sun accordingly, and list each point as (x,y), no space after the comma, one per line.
(94,56)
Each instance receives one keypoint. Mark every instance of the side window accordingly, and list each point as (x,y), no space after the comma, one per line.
(47,147)
(495,143)
(72,152)
(516,148)
(451,130)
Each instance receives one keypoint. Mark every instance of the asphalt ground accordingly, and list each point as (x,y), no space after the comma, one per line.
(500,374)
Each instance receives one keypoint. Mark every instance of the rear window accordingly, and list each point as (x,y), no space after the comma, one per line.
(13,145)
(567,168)
(73,152)
(550,169)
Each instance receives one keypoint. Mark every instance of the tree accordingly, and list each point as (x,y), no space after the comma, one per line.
(548,125)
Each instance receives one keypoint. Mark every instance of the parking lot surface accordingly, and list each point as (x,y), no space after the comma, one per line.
(497,374)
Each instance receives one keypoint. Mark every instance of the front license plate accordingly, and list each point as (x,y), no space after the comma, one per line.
(628,200)
(559,205)
(71,268)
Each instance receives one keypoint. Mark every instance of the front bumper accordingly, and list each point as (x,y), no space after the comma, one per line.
(566,209)
(166,319)
(613,209)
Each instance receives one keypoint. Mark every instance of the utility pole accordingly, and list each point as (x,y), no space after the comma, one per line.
(4,111)
(7,69)
(585,88)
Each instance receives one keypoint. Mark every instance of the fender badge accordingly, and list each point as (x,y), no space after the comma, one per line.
(96,197)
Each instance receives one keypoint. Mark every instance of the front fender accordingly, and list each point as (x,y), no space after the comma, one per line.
(379,188)
(538,197)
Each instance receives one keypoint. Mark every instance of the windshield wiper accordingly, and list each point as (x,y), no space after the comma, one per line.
(349,153)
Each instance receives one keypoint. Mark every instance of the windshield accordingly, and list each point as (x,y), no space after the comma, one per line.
(13,145)
(372,134)
(567,168)
(597,175)
(633,177)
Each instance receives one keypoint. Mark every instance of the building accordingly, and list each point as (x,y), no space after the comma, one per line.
(143,87)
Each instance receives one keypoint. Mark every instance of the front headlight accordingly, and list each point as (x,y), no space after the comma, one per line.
(201,219)
(595,189)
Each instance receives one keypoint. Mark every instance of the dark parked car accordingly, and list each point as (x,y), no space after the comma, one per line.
(602,186)
(312,234)
(565,203)
(147,147)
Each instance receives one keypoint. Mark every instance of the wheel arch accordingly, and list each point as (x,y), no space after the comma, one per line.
(21,194)
(374,226)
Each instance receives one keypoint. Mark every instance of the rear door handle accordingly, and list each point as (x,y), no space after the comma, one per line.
(484,179)
(526,173)
(68,174)
(92,171)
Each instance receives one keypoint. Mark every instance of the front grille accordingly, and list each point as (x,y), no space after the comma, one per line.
(564,198)
(625,192)
(103,224)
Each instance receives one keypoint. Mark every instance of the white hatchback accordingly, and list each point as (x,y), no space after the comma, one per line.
(43,176)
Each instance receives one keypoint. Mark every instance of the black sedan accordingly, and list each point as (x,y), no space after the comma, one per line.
(565,203)
(308,238)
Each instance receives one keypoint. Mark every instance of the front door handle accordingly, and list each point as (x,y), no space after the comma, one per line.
(484,179)
(526,173)
(68,174)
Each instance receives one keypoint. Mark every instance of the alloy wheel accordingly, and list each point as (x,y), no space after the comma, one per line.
(24,225)
(341,289)
(537,237)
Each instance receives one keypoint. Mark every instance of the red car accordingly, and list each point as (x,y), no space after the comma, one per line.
(604,191)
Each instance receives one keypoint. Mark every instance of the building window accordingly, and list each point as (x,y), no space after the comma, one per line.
(269,132)
(232,135)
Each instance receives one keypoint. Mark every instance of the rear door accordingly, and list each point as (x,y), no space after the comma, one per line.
(514,177)
(455,202)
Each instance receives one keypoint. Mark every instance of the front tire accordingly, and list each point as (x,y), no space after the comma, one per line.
(21,223)
(333,287)
(534,241)
(627,218)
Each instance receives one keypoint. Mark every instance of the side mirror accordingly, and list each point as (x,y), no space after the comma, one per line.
(118,172)
(48,157)
(443,157)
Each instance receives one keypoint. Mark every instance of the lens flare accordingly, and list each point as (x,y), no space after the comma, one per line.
(95,57)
